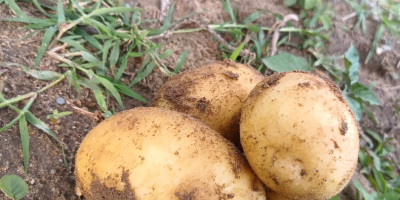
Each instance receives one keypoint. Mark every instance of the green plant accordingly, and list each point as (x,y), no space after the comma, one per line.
(386,12)
(13,186)
(94,41)
(378,167)
(55,118)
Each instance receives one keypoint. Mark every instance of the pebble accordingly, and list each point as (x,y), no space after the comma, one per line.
(60,100)
(52,171)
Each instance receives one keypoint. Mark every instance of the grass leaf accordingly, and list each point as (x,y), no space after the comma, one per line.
(60,13)
(13,186)
(310,4)
(380,180)
(23,131)
(15,8)
(363,191)
(289,3)
(100,100)
(41,125)
(226,4)
(168,18)
(253,17)
(48,35)
(181,61)
(286,62)
(237,51)
(110,87)
(114,55)
(377,38)
(103,11)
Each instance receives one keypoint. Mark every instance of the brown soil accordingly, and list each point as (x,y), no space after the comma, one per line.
(47,177)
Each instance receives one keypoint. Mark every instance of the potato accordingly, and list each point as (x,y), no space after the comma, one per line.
(213,93)
(299,135)
(150,153)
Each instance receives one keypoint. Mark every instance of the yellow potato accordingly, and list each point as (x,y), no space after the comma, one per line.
(150,153)
(300,136)
(213,93)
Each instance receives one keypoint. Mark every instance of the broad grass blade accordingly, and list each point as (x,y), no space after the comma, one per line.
(15,8)
(23,131)
(181,61)
(48,35)
(41,125)
(236,53)
(103,11)
(100,100)
(60,13)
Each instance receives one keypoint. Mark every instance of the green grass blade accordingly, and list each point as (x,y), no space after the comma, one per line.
(48,35)
(39,7)
(93,41)
(11,123)
(252,17)
(181,61)
(114,56)
(100,100)
(122,68)
(145,71)
(286,62)
(110,87)
(226,4)
(60,13)
(168,19)
(166,53)
(15,8)
(377,38)
(128,91)
(237,51)
(41,125)
(103,11)
(124,89)
(73,43)
(23,131)
(380,180)
(89,57)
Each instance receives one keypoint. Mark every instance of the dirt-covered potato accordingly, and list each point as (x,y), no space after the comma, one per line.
(299,135)
(213,93)
(150,153)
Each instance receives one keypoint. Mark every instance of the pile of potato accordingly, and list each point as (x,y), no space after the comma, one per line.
(223,131)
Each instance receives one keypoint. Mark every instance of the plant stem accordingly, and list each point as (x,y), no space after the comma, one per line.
(16,99)
(54,82)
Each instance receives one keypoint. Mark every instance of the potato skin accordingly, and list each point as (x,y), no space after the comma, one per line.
(300,136)
(213,93)
(150,153)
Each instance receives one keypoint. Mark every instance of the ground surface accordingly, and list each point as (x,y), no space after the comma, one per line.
(49,179)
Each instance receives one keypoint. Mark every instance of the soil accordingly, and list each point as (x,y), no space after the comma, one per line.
(48,178)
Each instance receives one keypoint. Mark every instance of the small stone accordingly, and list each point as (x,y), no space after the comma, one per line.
(52,171)
(60,100)
(78,103)
(32,181)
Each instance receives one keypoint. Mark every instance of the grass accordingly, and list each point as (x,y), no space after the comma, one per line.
(94,42)
(99,38)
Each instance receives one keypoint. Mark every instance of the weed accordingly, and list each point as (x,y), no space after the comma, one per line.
(386,12)
(13,186)
(95,41)
(55,118)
